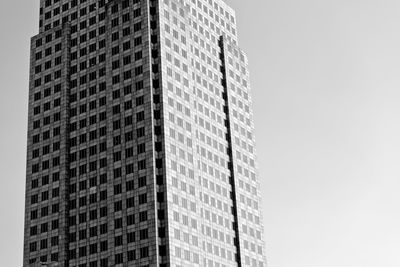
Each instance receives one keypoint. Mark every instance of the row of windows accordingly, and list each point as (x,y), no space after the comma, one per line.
(92,248)
(91,151)
(117,140)
(118,258)
(44,212)
(46,92)
(72,17)
(140,132)
(118,189)
(45,180)
(47,106)
(74,3)
(48,78)
(94,214)
(46,165)
(92,7)
(83,12)
(46,136)
(118,240)
(47,120)
(45,196)
(44,258)
(94,165)
(102,43)
(43,228)
(83,185)
(140,116)
(48,38)
(47,52)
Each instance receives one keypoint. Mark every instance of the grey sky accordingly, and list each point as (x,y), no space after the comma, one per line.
(326,90)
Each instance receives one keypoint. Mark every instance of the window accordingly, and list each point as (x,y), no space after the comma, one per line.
(115,36)
(142,199)
(140,116)
(103,246)
(118,206)
(138,70)
(142,216)
(137,41)
(139,100)
(93,215)
(144,252)
(126,31)
(93,248)
(130,202)
(127,60)
(128,105)
(129,168)
(144,234)
(114,22)
(140,132)
(141,148)
(126,45)
(130,185)
(119,258)
(117,189)
(125,17)
(117,173)
(32,246)
(138,55)
(118,224)
(142,165)
(142,181)
(137,26)
(130,237)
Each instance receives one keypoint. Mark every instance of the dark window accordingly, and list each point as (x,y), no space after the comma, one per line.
(142,181)
(142,216)
(142,199)
(142,165)
(131,255)
(140,116)
(139,85)
(119,258)
(118,206)
(140,132)
(144,234)
(144,252)
(117,189)
(103,246)
(130,219)
(137,26)
(130,237)
(103,212)
(130,185)
(130,202)
(129,168)
(118,223)
(126,31)
(141,148)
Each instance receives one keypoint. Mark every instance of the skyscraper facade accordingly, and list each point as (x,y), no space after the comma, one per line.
(140,137)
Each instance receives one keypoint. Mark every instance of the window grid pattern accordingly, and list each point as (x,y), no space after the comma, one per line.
(137,127)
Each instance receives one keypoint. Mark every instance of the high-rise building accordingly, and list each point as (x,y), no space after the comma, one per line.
(140,141)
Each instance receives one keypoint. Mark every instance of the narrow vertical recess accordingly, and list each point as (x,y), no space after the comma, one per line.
(65,148)
(225,96)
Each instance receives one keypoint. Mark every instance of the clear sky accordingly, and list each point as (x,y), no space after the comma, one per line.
(326,89)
